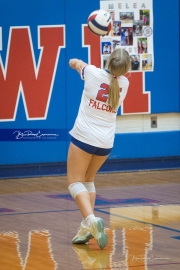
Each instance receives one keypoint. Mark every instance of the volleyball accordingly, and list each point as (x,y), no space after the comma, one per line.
(100,22)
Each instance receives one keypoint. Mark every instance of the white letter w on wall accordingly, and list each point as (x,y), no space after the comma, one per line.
(20,74)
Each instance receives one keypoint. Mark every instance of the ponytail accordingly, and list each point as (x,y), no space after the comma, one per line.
(114,93)
(118,65)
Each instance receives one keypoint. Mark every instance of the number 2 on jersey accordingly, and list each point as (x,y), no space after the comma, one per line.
(102,94)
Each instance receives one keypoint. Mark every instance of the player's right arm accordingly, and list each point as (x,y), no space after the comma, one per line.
(77,64)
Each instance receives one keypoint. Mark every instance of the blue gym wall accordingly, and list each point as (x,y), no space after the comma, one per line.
(163,82)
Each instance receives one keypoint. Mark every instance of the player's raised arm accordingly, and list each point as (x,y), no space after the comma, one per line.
(77,64)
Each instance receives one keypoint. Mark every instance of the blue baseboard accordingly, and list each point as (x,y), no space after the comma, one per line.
(140,164)
(110,166)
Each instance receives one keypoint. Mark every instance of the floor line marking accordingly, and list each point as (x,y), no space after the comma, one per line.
(42,212)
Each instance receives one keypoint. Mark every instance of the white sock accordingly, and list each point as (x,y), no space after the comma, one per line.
(83,223)
(88,219)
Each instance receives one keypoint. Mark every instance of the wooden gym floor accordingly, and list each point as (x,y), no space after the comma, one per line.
(141,210)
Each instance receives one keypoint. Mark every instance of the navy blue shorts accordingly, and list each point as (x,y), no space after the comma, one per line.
(91,149)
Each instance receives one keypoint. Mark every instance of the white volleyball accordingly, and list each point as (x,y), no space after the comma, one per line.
(100,22)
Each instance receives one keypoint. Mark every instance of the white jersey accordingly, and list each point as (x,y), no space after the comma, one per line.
(95,123)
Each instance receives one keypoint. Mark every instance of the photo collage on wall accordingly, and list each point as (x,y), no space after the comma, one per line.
(132,29)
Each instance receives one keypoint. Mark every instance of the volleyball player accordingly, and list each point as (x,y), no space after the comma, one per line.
(92,136)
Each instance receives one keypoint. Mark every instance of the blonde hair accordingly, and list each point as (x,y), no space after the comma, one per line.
(118,64)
